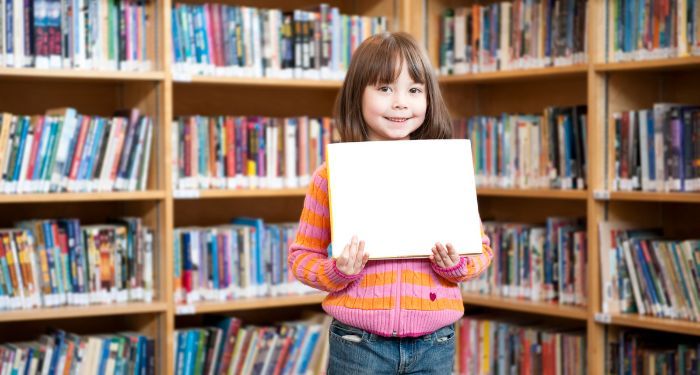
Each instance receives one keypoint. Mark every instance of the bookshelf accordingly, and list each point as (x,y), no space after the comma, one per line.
(604,87)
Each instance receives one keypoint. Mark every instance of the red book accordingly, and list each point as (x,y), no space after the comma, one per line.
(38,124)
(230,148)
(84,126)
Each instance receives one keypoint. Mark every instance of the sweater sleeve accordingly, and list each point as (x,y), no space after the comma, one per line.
(469,266)
(308,255)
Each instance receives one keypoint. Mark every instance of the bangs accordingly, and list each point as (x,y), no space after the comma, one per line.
(388,59)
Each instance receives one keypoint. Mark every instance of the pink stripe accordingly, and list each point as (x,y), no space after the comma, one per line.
(314,206)
(410,290)
(321,182)
(312,231)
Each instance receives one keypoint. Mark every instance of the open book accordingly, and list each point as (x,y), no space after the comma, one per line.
(401,197)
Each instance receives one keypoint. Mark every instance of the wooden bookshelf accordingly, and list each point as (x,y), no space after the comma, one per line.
(604,87)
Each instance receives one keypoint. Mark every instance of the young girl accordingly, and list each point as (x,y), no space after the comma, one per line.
(390,316)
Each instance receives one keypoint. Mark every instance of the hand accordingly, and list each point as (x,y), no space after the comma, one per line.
(444,258)
(353,258)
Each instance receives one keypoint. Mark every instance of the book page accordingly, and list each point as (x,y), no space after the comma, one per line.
(401,197)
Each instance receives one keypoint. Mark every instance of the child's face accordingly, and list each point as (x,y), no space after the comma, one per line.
(394,111)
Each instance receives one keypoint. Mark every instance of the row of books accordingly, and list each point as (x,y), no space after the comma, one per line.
(247,258)
(229,347)
(643,273)
(230,152)
(537,263)
(67,151)
(528,151)
(637,353)
(510,35)
(47,263)
(78,34)
(486,346)
(657,149)
(61,352)
(643,30)
(225,40)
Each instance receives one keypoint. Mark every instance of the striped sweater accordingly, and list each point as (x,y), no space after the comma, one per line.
(404,298)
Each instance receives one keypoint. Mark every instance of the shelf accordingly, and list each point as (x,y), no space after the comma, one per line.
(659,64)
(82,312)
(538,308)
(644,196)
(516,75)
(82,197)
(239,193)
(250,304)
(73,74)
(657,324)
(258,82)
(533,193)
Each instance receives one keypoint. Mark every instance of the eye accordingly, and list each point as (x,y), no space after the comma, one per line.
(384,88)
(415,90)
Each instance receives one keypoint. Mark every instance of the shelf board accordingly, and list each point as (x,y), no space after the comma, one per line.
(538,308)
(238,193)
(658,64)
(250,304)
(533,193)
(82,312)
(645,196)
(82,197)
(259,82)
(76,74)
(657,324)
(516,75)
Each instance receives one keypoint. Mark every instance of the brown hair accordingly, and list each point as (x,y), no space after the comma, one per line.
(377,61)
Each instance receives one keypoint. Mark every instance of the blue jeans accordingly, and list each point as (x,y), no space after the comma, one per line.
(354,351)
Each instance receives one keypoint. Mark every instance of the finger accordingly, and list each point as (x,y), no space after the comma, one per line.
(364,260)
(443,255)
(360,256)
(452,253)
(343,258)
(438,257)
(353,251)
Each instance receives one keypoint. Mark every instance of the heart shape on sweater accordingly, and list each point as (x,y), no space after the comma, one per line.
(433,296)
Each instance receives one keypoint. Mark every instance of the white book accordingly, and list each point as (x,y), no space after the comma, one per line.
(290,154)
(22,185)
(145,164)
(363,179)
(18,32)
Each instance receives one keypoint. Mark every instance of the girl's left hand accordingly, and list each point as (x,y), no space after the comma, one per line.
(444,257)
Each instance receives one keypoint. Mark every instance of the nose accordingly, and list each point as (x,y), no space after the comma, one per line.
(399,102)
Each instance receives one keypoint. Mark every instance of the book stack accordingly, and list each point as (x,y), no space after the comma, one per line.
(230,347)
(643,273)
(48,263)
(657,149)
(239,152)
(511,35)
(537,263)
(76,34)
(66,353)
(64,151)
(652,29)
(528,151)
(241,260)
(227,40)
(488,346)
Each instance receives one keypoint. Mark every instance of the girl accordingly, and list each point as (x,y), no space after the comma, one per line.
(390,316)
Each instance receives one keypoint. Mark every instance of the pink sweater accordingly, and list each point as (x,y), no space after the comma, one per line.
(404,298)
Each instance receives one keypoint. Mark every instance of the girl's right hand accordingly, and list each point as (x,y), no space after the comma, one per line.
(353,258)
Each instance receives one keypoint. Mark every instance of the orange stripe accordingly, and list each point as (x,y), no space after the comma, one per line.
(414,303)
(308,268)
(315,219)
(325,280)
(311,242)
(344,300)
(422,279)
(378,279)
(297,261)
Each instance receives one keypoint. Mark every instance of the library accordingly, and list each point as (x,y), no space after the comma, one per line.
(155,159)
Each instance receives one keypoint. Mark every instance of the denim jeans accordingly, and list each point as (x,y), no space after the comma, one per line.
(354,351)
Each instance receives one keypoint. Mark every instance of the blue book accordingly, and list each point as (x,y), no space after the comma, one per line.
(41,151)
(181,346)
(214,256)
(307,349)
(650,146)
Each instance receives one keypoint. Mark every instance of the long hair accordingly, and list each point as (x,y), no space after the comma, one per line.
(378,61)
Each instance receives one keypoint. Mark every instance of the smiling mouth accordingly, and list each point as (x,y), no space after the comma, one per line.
(397,119)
